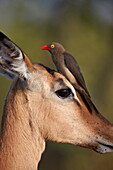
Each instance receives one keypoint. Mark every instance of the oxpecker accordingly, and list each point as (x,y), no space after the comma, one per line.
(67,65)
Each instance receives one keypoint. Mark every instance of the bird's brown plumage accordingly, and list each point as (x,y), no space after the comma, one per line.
(67,65)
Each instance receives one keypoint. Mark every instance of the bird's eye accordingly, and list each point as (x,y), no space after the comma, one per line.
(64,93)
(52,46)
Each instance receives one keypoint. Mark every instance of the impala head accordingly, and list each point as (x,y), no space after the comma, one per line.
(57,110)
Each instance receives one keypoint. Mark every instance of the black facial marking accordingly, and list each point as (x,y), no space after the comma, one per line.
(51,71)
(61,82)
(78,104)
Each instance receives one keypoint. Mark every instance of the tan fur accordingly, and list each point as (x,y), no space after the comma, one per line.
(34,113)
(28,63)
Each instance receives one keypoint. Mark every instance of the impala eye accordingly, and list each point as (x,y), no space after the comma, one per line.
(64,93)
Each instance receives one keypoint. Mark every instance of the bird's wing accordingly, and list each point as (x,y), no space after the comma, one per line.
(74,68)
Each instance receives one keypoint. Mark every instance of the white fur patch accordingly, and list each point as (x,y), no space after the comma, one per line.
(20,67)
(74,92)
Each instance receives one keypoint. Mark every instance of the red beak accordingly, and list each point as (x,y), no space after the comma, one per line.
(45,47)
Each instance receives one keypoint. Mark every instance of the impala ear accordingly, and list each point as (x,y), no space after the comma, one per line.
(6,73)
(13,60)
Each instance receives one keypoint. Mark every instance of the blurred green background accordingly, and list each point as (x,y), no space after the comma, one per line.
(85,28)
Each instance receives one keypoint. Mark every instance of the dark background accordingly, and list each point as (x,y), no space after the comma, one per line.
(85,28)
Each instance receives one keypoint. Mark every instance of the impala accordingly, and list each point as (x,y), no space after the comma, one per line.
(41,106)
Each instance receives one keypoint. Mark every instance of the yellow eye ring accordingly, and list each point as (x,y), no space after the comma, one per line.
(52,46)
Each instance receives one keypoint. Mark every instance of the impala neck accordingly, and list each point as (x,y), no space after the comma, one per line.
(21,142)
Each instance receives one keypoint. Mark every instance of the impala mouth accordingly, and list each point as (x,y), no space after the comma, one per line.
(104,147)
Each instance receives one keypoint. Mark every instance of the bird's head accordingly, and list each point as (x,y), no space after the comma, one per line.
(53,47)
